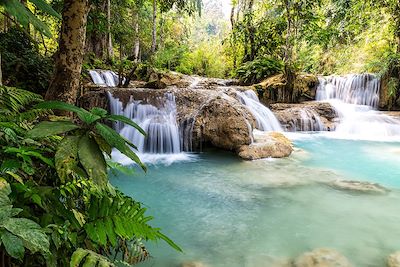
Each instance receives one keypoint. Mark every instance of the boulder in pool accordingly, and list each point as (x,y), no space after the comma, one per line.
(322,257)
(266,145)
(359,186)
(394,260)
(193,264)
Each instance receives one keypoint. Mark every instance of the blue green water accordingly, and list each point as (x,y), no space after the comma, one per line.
(226,212)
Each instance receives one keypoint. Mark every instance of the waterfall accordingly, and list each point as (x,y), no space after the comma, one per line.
(266,120)
(356,98)
(104,77)
(309,121)
(96,77)
(158,122)
(358,89)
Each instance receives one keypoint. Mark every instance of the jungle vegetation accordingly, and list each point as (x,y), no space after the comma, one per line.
(57,206)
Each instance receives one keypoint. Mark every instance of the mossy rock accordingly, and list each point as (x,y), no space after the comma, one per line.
(273,89)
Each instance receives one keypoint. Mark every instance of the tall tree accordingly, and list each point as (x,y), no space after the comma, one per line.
(154,31)
(110,50)
(69,57)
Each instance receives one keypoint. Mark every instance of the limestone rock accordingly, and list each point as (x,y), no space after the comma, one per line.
(306,116)
(394,260)
(155,84)
(272,90)
(359,186)
(224,122)
(267,145)
(193,264)
(322,257)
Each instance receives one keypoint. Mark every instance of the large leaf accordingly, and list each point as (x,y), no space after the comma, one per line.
(117,141)
(24,16)
(88,258)
(13,245)
(125,120)
(92,160)
(66,157)
(45,7)
(83,114)
(30,232)
(50,128)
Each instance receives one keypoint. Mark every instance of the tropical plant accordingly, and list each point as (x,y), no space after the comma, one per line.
(54,177)
(261,68)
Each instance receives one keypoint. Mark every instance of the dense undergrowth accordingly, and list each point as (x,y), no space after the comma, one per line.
(57,206)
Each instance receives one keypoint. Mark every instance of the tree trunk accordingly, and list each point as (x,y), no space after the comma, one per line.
(110,50)
(136,49)
(289,73)
(233,44)
(1,73)
(251,32)
(154,33)
(69,57)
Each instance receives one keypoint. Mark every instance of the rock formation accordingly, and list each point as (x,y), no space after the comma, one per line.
(322,257)
(307,115)
(394,260)
(266,145)
(272,90)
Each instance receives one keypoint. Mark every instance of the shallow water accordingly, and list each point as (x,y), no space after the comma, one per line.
(226,212)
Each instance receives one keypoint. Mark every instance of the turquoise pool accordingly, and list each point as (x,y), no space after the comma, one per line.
(226,212)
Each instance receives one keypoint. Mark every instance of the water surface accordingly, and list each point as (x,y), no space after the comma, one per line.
(226,212)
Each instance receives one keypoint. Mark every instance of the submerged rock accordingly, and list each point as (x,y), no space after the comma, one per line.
(394,260)
(322,257)
(193,264)
(359,186)
(267,145)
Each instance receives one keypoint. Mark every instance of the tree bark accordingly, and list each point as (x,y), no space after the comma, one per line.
(251,32)
(1,73)
(110,50)
(154,32)
(136,49)
(233,44)
(69,57)
(289,73)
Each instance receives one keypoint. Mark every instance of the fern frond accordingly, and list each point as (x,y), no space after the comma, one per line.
(14,100)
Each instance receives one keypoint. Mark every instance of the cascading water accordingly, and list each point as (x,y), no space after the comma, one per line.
(309,121)
(266,120)
(358,89)
(104,77)
(356,98)
(158,122)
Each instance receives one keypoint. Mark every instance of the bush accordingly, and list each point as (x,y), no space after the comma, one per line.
(261,68)
(207,59)
(22,64)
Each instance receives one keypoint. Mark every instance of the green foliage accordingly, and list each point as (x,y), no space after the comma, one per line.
(206,59)
(84,257)
(261,68)
(18,234)
(22,64)
(56,204)
(24,15)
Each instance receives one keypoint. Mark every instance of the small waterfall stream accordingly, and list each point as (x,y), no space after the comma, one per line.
(104,77)
(266,120)
(159,122)
(356,98)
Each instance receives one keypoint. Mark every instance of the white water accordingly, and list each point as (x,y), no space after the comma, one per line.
(104,77)
(158,122)
(310,121)
(266,120)
(356,97)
